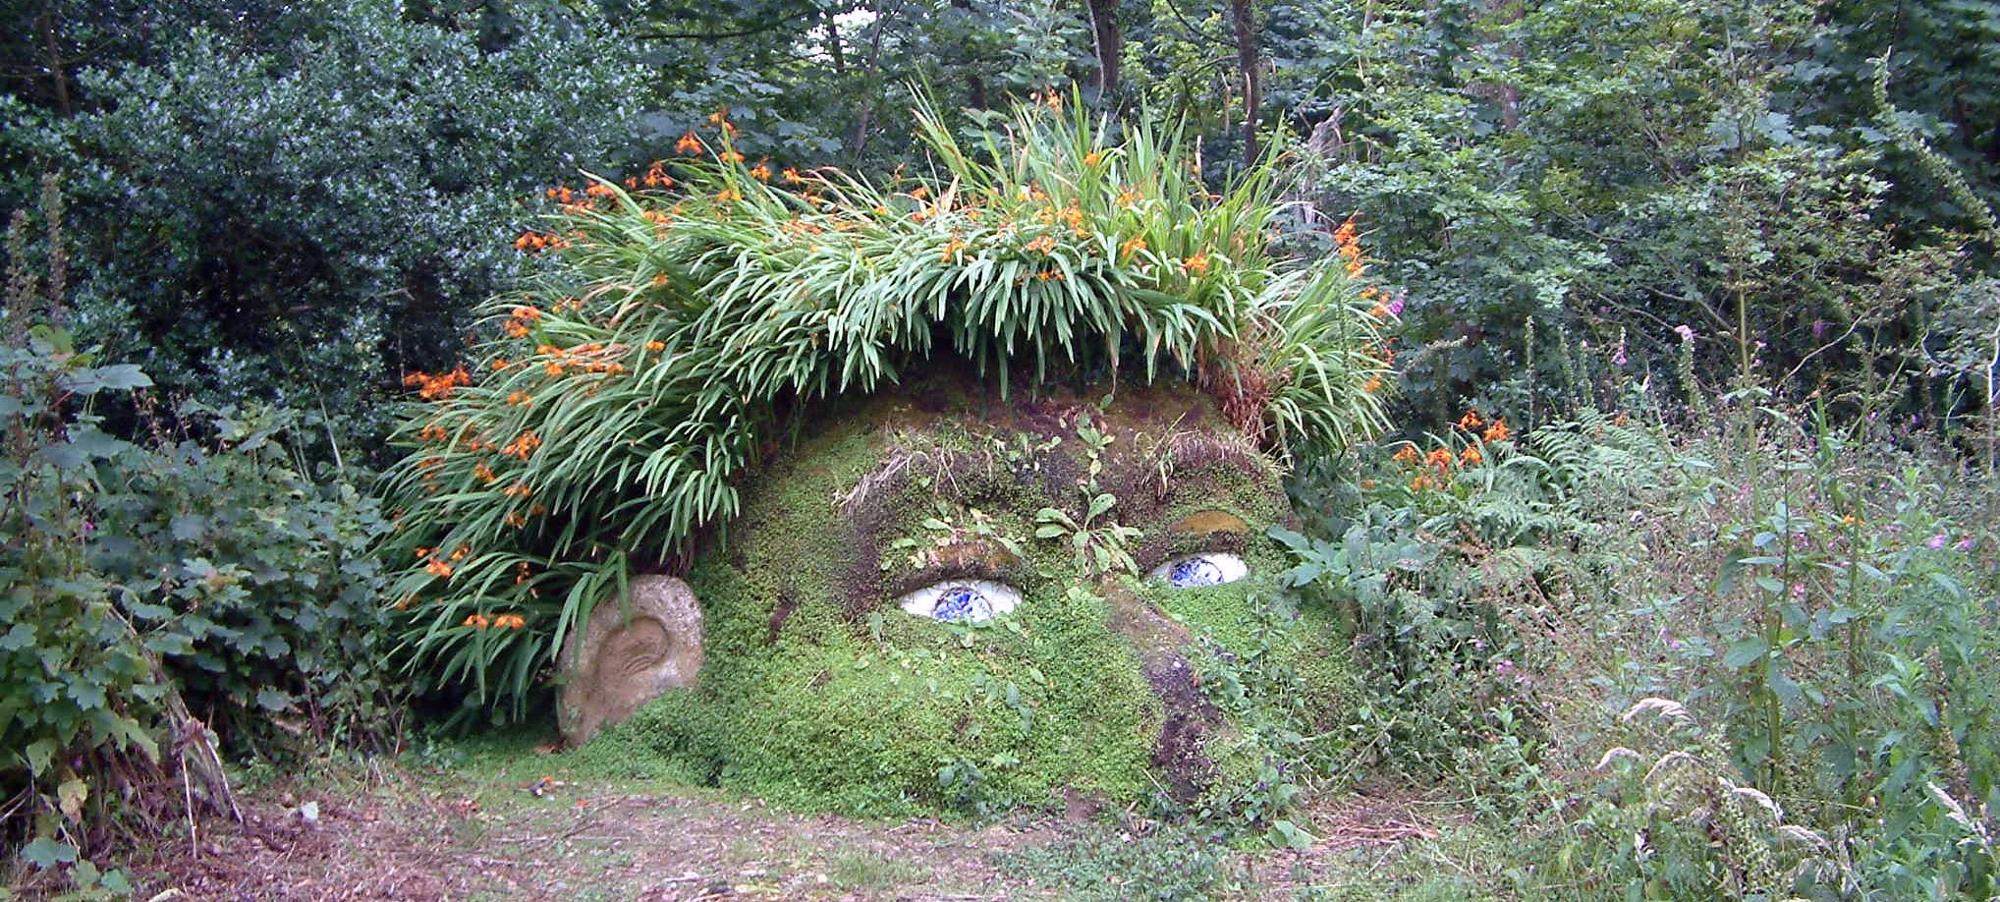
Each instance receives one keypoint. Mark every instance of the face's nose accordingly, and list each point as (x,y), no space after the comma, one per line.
(1188,716)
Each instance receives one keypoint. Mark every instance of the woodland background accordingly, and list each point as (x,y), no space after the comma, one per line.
(1763,231)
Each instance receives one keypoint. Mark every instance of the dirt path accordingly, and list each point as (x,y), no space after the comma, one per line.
(401,838)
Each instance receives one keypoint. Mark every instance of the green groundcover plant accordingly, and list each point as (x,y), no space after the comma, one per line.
(697,306)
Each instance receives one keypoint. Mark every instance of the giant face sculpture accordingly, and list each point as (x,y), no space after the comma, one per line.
(930,601)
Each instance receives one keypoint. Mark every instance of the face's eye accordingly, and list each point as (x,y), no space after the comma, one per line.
(1197,570)
(961,601)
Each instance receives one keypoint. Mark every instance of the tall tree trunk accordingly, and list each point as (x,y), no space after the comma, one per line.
(57,75)
(833,42)
(1243,19)
(859,139)
(1104,25)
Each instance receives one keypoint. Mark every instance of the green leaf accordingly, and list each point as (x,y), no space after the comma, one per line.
(70,797)
(20,637)
(39,753)
(45,853)
(1744,652)
(118,377)
(1099,505)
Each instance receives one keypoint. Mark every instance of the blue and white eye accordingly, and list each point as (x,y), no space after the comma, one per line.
(961,601)
(1198,570)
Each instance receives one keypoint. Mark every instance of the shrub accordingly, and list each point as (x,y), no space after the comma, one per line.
(297,208)
(159,593)
(1816,601)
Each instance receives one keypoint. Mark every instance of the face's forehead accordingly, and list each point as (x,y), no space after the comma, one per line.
(923,483)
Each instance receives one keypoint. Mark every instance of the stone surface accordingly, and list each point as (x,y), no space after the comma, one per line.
(618,662)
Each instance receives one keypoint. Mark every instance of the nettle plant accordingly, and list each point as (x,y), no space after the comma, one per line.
(691,309)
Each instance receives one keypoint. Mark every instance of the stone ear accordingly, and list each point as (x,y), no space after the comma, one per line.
(616,662)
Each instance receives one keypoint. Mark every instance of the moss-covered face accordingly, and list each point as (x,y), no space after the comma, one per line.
(948,600)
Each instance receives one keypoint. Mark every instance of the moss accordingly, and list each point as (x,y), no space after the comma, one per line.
(818,693)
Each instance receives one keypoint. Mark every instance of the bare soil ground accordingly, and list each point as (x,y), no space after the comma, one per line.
(401,837)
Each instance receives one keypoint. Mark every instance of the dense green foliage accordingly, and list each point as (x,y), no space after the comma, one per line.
(298,206)
(195,570)
(1681,659)
(1593,171)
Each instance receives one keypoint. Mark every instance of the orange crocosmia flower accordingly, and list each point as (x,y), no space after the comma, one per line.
(523,445)
(1373,385)
(920,192)
(1197,264)
(1471,455)
(1406,454)
(1470,421)
(518,490)
(1439,457)
(439,569)
(689,144)
(656,346)
(1346,234)
(1093,158)
(1497,432)
(1128,197)
(791,176)
(477,621)
(1135,245)
(761,172)
(951,249)
(515,519)
(1043,245)
(730,156)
